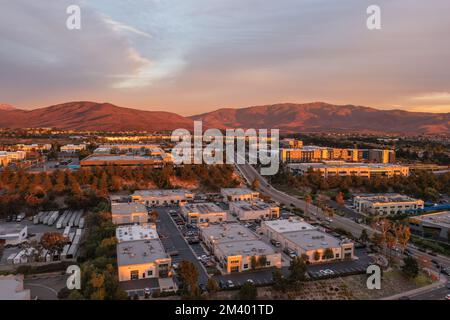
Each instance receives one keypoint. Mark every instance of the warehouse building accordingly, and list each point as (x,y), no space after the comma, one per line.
(162,197)
(129,213)
(386,204)
(203,213)
(238,194)
(303,239)
(434,226)
(254,210)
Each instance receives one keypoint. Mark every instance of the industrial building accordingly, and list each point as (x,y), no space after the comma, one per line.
(136,232)
(434,226)
(342,169)
(13,234)
(129,213)
(203,213)
(254,210)
(237,249)
(162,197)
(386,204)
(302,238)
(238,194)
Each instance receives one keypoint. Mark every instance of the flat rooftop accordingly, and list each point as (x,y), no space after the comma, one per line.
(236,191)
(227,232)
(203,208)
(340,164)
(245,248)
(136,232)
(140,252)
(127,208)
(162,193)
(121,157)
(441,219)
(385,198)
(312,239)
(10,229)
(255,205)
(288,225)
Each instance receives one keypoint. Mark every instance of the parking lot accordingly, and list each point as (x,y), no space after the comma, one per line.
(341,268)
(176,245)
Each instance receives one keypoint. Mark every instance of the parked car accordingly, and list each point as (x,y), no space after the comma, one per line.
(222,284)
(431,253)
(275,243)
(447,297)
(250,281)
(230,284)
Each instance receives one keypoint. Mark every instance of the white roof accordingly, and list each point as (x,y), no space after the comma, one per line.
(288,225)
(136,232)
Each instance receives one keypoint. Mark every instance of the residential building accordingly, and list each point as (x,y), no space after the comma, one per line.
(129,213)
(13,234)
(386,204)
(162,197)
(203,213)
(136,232)
(142,259)
(340,168)
(237,249)
(238,194)
(434,226)
(11,288)
(303,239)
(254,210)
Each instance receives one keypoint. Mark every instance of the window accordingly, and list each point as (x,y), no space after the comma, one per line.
(150,273)
(134,275)
(245,266)
(268,263)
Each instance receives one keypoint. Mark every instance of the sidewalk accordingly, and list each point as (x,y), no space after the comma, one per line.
(417,291)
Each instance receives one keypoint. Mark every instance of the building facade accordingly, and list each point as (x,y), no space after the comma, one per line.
(162,197)
(386,204)
(203,213)
(254,210)
(129,213)
(238,194)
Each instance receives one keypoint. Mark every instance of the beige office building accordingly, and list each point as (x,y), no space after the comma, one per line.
(386,204)
(129,213)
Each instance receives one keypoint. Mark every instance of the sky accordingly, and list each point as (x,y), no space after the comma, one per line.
(195,56)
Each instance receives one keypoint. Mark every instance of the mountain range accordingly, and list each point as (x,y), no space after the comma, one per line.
(288,117)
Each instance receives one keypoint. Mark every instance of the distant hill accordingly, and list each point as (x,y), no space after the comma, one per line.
(319,116)
(310,117)
(93,116)
(6,107)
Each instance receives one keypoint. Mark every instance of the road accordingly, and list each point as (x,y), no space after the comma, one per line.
(172,239)
(250,173)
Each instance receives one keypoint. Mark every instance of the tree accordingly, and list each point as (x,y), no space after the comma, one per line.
(154,215)
(54,241)
(256,184)
(403,234)
(328,254)
(253,262)
(297,269)
(248,291)
(410,267)
(212,286)
(308,201)
(364,237)
(316,255)
(279,280)
(262,261)
(189,276)
(340,199)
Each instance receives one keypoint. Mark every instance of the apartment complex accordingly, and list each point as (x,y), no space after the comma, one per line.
(386,204)
(162,197)
(237,249)
(304,239)
(318,154)
(434,226)
(238,194)
(254,210)
(203,213)
(341,168)
(128,213)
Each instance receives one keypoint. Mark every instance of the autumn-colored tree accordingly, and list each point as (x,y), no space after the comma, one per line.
(256,184)
(189,276)
(308,201)
(403,234)
(54,241)
(340,199)
(212,286)
(154,215)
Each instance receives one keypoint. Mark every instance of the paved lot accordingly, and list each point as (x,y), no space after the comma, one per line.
(45,287)
(262,277)
(173,240)
(342,268)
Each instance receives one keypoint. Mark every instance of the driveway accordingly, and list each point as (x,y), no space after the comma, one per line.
(45,287)
(173,240)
